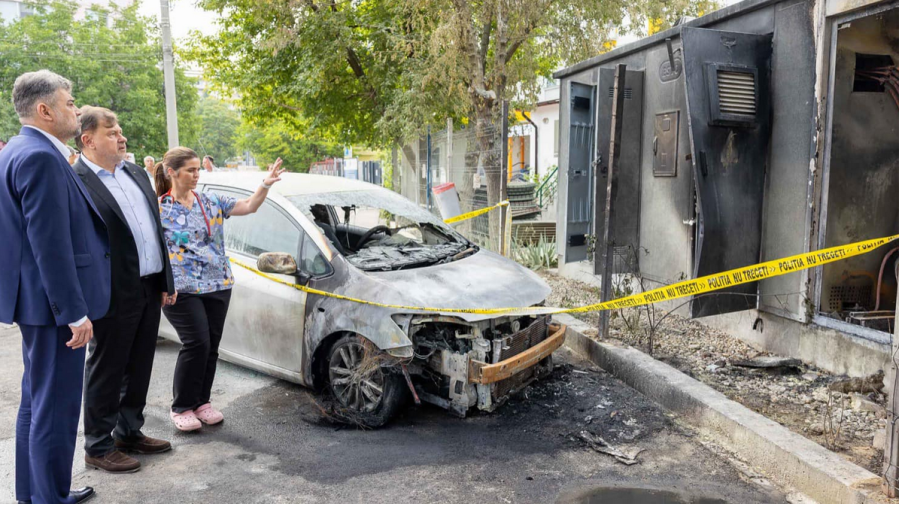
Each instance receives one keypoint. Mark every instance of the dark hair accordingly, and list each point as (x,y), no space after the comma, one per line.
(92,117)
(34,87)
(174,159)
(209,159)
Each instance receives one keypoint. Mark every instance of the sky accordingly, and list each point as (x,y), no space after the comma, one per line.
(184,16)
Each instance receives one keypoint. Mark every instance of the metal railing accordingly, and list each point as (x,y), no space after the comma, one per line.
(547,187)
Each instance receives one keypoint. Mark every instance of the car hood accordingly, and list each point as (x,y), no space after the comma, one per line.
(482,280)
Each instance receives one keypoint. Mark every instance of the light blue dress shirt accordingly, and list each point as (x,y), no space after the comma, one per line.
(134,205)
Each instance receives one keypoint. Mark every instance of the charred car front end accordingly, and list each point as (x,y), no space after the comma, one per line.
(459,365)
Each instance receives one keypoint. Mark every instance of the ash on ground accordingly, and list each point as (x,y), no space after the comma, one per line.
(585,398)
(796,397)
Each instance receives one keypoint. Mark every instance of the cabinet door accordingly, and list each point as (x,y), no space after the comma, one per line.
(580,172)
(626,193)
(728,97)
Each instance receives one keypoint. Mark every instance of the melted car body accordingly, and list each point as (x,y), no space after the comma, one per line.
(366,242)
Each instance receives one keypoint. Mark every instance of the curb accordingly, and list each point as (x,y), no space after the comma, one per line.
(785,457)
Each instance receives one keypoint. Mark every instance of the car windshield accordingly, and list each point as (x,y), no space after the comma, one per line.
(379,230)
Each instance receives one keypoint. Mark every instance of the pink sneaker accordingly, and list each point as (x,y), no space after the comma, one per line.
(186,421)
(208,414)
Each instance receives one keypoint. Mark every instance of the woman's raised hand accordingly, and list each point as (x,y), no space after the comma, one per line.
(274,171)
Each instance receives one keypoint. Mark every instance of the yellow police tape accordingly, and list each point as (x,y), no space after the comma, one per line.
(687,288)
(477,212)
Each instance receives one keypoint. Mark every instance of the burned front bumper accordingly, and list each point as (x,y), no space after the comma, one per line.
(484,374)
(491,368)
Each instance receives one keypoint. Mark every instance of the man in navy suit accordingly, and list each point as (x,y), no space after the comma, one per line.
(55,280)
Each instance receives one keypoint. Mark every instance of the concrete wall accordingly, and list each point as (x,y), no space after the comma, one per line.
(667,203)
(9,11)
(667,244)
(786,213)
(837,352)
(545,117)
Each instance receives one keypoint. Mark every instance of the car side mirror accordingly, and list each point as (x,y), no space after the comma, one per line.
(302,278)
(280,263)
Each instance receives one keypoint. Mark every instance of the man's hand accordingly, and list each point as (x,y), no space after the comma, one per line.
(81,335)
(167,299)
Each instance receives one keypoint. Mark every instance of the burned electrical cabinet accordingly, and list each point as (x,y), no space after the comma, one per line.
(728,102)
(627,183)
(580,198)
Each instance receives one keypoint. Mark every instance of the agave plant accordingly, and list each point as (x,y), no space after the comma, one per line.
(536,255)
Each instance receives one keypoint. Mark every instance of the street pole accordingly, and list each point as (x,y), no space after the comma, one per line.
(429,177)
(449,149)
(504,171)
(604,243)
(169,80)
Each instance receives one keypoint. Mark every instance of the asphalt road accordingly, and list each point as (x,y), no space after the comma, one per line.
(275,446)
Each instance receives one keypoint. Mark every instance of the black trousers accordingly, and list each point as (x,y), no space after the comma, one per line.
(198,319)
(118,371)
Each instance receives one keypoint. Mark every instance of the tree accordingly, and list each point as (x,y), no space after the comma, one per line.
(111,56)
(277,140)
(374,72)
(219,130)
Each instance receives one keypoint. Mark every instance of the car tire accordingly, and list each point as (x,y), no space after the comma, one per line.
(364,392)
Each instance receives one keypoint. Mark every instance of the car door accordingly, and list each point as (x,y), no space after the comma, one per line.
(266,319)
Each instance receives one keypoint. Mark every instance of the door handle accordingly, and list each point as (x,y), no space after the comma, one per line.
(655,144)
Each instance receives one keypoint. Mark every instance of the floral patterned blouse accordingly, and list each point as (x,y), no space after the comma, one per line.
(195,243)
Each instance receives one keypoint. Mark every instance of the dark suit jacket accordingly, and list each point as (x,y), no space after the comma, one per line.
(54,257)
(126,289)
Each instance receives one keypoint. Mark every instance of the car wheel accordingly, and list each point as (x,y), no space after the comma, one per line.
(366,392)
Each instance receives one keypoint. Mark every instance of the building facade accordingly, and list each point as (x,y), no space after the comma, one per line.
(765,129)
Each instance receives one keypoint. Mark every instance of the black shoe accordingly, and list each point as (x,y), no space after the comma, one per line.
(82,495)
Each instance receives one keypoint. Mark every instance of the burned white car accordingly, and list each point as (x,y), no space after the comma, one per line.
(365,242)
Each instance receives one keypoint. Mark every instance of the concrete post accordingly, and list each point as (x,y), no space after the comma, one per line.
(504,172)
(449,149)
(169,80)
(891,453)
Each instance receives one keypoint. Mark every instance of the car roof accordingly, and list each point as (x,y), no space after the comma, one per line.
(291,183)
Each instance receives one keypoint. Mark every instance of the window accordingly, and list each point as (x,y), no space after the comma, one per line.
(872,72)
(312,261)
(268,230)
(26,9)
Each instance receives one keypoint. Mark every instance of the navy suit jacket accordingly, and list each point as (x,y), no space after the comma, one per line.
(54,253)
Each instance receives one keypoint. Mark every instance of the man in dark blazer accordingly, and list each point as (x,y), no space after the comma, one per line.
(55,281)
(121,354)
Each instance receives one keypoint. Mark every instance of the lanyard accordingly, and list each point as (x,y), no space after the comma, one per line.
(200,205)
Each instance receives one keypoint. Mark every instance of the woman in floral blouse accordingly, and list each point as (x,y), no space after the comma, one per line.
(193,229)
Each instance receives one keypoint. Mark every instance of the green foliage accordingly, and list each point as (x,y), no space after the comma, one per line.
(219,130)
(275,139)
(537,255)
(111,56)
(372,72)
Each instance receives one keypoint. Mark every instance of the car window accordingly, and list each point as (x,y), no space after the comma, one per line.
(271,230)
(312,261)
(378,230)
(267,230)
